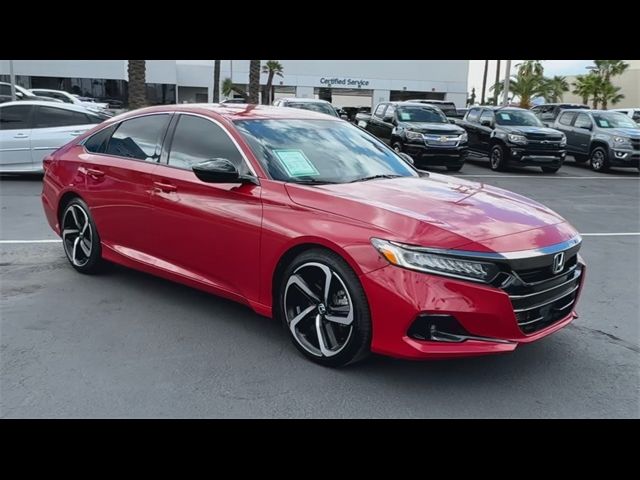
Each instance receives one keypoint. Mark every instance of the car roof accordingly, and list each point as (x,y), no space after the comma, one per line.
(234,111)
(48,90)
(494,107)
(66,106)
(564,104)
(411,104)
(428,100)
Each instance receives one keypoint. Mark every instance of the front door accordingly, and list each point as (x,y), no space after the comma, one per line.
(207,231)
(582,128)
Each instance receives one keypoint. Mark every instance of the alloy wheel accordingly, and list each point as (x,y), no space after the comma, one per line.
(318,309)
(77,235)
(597,160)
(496,158)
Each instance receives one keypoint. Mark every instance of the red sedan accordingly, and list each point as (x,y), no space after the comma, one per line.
(311,220)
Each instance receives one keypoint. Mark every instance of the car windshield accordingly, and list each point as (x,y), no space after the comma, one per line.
(315,107)
(613,120)
(420,114)
(517,117)
(320,151)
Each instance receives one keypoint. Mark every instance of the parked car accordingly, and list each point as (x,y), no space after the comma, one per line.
(511,136)
(448,108)
(24,94)
(548,112)
(605,138)
(634,113)
(460,112)
(67,97)
(31,130)
(337,237)
(234,100)
(315,105)
(353,111)
(420,130)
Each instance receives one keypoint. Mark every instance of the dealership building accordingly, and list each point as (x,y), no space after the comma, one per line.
(343,82)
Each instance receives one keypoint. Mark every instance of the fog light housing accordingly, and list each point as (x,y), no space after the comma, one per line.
(437,328)
(621,154)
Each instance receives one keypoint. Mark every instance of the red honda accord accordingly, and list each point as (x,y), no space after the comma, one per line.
(309,219)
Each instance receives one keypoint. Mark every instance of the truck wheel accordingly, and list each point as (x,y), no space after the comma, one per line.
(599,161)
(498,163)
(397,146)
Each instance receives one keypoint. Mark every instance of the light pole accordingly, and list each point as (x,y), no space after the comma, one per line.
(12,79)
(507,77)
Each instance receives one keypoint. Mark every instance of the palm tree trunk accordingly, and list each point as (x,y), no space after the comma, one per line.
(484,80)
(254,81)
(216,81)
(268,97)
(137,84)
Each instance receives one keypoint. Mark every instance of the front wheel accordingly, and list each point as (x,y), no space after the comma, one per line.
(324,309)
(550,169)
(498,162)
(598,160)
(80,237)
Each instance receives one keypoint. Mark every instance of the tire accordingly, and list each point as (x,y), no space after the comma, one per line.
(550,169)
(336,329)
(496,158)
(80,239)
(454,168)
(599,160)
(397,146)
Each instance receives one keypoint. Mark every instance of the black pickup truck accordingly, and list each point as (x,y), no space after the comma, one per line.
(419,130)
(513,136)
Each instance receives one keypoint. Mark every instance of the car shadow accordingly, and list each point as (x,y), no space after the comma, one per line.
(31,177)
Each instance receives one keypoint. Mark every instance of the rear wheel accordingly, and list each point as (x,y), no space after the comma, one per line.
(80,237)
(498,162)
(599,161)
(324,309)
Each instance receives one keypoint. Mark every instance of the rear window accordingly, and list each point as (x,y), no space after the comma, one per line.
(566,118)
(473,115)
(15,117)
(97,143)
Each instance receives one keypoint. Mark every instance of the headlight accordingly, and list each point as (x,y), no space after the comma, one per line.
(513,138)
(563,141)
(463,138)
(621,139)
(416,258)
(413,135)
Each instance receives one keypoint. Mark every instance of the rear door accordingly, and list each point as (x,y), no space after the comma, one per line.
(375,122)
(119,164)
(15,137)
(53,127)
(485,131)
(471,126)
(582,128)
(386,124)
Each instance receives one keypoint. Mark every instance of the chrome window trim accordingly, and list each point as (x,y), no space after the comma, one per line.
(517,255)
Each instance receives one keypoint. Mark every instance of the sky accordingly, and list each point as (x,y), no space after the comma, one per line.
(551,68)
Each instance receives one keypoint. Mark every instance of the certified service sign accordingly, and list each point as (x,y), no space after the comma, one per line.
(344,82)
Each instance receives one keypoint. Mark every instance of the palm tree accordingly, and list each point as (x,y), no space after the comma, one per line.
(273,67)
(609,93)
(137,84)
(523,87)
(584,87)
(254,81)
(228,89)
(556,87)
(216,81)
(609,68)
(530,68)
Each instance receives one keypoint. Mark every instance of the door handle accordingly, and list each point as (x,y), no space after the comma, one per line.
(92,172)
(165,187)
(75,133)
(21,135)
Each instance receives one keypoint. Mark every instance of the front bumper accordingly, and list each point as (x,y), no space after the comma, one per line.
(434,155)
(397,297)
(622,157)
(525,156)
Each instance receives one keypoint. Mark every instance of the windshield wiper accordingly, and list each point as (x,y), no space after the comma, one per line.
(312,181)
(374,177)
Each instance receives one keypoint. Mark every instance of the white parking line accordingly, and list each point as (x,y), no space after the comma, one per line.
(53,240)
(613,234)
(550,176)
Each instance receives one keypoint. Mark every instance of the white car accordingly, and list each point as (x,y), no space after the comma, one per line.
(313,104)
(31,130)
(634,113)
(23,93)
(67,97)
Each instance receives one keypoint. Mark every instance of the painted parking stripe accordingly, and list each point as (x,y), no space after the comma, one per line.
(53,240)
(550,176)
(613,234)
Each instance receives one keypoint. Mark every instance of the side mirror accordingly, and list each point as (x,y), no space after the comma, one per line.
(407,158)
(486,123)
(19,94)
(219,170)
(451,120)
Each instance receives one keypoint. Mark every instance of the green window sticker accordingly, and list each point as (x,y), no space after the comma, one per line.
(296,163)
(405,116)
(604,123)
(505,116)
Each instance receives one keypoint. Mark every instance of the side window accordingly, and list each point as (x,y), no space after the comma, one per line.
(139,138)
(5,90)
(582,121)
(566,118)
(97,143)
(391,110)
(47,117)
(636,116)
(486,115)
(379,110)
(197,139)
(15,117)
(473,115)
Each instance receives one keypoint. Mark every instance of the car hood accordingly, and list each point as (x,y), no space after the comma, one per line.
(437,128)
(624,132)
(440,211)
(530,132)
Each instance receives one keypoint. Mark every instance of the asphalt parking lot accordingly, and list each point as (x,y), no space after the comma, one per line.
(124,344)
